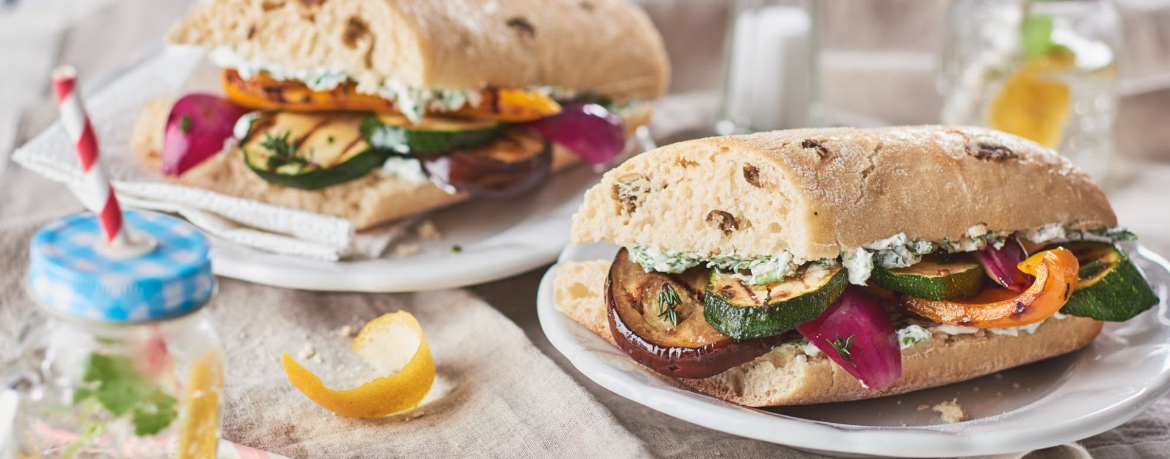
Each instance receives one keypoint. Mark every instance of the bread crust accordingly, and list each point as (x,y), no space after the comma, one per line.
(366,202)
(607,47)
(816,192)
(787,376)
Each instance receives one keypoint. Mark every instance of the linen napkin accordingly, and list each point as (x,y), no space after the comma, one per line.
(114,110)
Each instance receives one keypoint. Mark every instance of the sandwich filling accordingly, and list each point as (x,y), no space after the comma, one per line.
(314,128)
(692,316)
(893,252)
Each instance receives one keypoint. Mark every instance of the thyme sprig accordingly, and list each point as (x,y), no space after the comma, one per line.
(668,302)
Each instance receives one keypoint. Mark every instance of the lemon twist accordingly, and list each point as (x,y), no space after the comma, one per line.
(382,343)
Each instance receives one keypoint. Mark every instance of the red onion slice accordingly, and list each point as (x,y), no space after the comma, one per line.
(1000,264)
(196,130)
(856,333)
(588,130)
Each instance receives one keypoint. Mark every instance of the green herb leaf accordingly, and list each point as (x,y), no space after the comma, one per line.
(1091,269)
(185,124)
(842,347)
(117,386)
(456,248)
(668,300)
(283,153)
(1036,36)
(153,413)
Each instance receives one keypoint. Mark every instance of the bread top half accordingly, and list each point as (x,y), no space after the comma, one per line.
(606,47)
(817,192)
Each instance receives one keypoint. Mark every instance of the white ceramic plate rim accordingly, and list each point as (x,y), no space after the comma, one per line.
(982,437)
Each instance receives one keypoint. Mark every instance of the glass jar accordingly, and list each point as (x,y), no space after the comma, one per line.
(771,67)
(1043,70)
(119,359)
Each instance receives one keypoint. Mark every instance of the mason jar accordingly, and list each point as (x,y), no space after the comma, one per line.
(119,357)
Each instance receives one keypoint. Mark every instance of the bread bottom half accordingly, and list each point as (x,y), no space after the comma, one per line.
(366,202)
(787,376)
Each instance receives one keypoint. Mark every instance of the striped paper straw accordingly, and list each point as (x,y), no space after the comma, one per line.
(97,191)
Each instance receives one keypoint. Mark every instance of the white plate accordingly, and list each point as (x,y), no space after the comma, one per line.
(1048,403)
(497,238)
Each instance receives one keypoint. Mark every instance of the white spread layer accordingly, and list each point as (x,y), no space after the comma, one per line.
(411,101)
(408,169)
(923,332)
(893,252)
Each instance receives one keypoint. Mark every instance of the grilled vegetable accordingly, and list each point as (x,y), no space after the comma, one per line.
(1000,264)
(430,135)
(936,277)
(511,105)
(196,129)
(658,320)
(588,130)
(515,162)
(309,151)
(996,307)
(743,311)
(1110,287)
(262,92)
(856,333)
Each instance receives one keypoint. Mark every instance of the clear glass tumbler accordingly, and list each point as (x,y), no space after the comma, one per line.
(1044,70)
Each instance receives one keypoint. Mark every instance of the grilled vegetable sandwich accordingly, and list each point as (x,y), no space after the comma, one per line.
(374,109)
(822,265)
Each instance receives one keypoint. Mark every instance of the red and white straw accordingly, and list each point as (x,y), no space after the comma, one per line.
(97,191)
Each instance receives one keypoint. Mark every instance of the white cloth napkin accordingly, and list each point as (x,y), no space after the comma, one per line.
(113,111)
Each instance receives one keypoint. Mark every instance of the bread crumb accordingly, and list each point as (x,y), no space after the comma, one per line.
(1015,385)
(307,352)
(923,407)
(427,231)
(950,412)
(899,402)
(407,250)
(999,376)
(318,359)
(975,389)
(345,332)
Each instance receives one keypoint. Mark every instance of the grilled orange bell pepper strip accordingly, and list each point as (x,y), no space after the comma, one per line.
(262,92)
(996,307)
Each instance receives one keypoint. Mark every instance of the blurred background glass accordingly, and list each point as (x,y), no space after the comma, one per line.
(1044,70)
(771,76)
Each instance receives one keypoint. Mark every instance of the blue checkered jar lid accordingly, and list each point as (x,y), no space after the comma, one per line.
(70,272)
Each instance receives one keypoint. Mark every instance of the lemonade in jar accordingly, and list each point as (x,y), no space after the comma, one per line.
(119,358)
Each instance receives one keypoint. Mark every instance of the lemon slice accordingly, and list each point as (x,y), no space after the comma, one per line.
(392,344)
(199,429)
(1034,104)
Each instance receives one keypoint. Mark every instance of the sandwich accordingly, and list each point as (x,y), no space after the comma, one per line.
(373,110)
(825,265)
